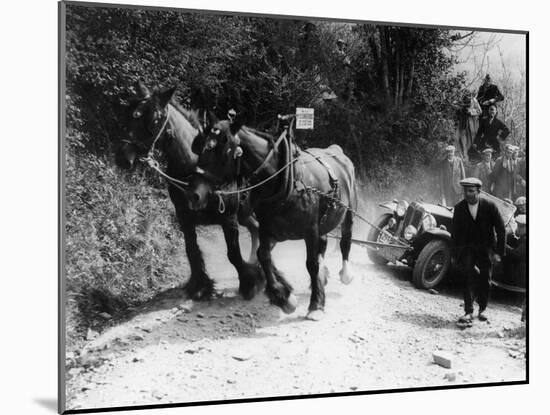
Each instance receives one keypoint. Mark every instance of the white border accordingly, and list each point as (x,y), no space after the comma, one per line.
(29,203)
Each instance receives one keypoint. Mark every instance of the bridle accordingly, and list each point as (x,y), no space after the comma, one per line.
(154,164)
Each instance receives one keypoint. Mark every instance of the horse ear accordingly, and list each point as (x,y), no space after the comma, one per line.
(211,118)
(166,95)
(236,125)
(142,90)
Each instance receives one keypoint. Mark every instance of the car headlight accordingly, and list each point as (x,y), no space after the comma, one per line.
(410,232)
(401,208)
(429,222)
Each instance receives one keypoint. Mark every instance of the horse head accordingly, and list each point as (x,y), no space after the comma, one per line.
(219,152)
(144,119)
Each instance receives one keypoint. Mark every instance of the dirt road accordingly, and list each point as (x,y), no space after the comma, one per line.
(379,332)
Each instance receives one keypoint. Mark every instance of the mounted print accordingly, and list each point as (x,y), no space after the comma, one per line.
(257,207)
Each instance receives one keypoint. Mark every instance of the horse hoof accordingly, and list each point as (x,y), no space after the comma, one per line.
(315,315)
(345,277)
(290,306)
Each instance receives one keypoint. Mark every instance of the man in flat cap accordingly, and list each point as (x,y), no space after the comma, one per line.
(451,171)
(484,169)
(476,220)
(506,174)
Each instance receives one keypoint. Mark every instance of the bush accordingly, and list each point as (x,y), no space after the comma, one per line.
(122,241)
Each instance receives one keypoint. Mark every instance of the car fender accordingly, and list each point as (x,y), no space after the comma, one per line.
(390,205)
(431,234)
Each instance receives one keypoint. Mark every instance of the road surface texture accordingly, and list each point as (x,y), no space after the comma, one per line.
(379,332)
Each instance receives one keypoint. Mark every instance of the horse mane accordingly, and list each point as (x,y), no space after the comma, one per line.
(190,115)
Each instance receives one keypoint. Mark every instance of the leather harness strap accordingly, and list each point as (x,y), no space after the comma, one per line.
(330,172)
(269,155)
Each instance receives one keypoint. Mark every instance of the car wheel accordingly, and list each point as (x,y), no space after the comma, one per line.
(376,236)
(432,264)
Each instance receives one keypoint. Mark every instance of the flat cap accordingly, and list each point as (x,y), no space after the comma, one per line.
(450,148)
(520,201)
(471,182)
(521,220)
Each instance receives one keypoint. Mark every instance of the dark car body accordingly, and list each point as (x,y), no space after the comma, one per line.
(419,235)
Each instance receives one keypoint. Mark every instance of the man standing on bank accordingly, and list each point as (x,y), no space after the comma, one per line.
(488,94)
(475,222)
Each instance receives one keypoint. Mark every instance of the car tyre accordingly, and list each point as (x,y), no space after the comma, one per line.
(432,264)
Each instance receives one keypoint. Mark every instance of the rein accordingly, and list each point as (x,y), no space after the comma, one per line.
(154,164)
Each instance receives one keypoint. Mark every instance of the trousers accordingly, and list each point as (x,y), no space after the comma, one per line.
(476,286)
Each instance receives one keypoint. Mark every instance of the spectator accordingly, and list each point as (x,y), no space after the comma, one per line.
(451,171)
(515,261)
(488,94)
(491,132)
(521,206)
(485,168)
(468,124)
(505,174)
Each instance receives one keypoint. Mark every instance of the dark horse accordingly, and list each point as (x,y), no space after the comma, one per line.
(317,199)
(154,120)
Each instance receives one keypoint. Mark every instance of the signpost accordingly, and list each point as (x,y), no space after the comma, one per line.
(304,118)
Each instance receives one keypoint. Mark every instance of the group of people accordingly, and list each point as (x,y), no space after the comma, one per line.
(480,151)
(504,177)
(481,160)
(478,126)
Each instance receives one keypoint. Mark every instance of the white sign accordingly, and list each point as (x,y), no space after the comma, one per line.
(304,118)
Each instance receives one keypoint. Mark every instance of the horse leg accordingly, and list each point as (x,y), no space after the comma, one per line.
(317,301)
(252,225)
(200,286)
(278,290)
(251,279)
(324,273)
(346,276)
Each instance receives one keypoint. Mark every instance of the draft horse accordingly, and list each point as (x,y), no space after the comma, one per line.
(300,194)
(154,121)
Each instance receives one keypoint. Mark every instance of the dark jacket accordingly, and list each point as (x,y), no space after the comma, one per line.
(486,93)
(490,134)
(478,234)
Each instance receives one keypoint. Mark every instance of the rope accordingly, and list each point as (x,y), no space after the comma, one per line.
(221,204)
(150,153)
(354,212)
(246,189)
(152,163)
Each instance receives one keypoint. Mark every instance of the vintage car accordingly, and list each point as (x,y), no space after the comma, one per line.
(418,234)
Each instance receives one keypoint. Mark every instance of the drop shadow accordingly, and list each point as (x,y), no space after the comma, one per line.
(48,403)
